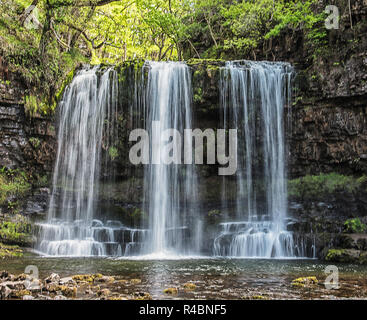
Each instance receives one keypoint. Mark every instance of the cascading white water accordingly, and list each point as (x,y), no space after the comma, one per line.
(253,96)
(170,189)
(87,107)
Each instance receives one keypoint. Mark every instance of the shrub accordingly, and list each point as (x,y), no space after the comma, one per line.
(354,226)
(324,184)
(12,183)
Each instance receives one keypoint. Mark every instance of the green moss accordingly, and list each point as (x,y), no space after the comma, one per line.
(324,184)
(195,61)
(68,79)
(354,226)
(16,231)
(7,251)
(113,153)
(198,95)
(259,297)
(334,254)
(35,142)
(172,291)
(134,66)
(12,183)
(34,104)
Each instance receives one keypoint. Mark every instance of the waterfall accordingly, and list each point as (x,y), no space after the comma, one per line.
(254,200)
(85,113)
(170,189)
(253,97)
(86,126)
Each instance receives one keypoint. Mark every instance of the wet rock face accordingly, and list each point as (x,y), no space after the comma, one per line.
(27,143)
(12,136)
(329,136)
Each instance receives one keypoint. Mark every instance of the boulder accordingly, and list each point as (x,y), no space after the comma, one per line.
(53,278)
(170,291)
(5,291)
(67,281)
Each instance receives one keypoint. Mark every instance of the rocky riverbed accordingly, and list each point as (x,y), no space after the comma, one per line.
(116,279)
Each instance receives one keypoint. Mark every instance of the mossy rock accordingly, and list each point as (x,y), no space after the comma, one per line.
(172,291)
(195,61)
(343,255)
(22,293)
(68,79)
(83,278)
(135,281)
(9,251)
(189,286)
(259,297)
(70,292)
(322,185)
(16,229)
(304,281)
(143,296)
(97,276)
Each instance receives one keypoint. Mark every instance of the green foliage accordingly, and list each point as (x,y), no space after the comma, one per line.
(12,182)
(236,28)
(323,184)
(113,153)
(67,33)
(8,251)
(35,142)
(16,231)
(36,54)
(334,254)
(354,226)
(248,22)
(34,104)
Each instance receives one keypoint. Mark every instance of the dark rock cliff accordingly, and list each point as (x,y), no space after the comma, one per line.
(26,143)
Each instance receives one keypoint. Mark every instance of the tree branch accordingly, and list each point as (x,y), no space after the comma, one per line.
(28,12)
(83,4)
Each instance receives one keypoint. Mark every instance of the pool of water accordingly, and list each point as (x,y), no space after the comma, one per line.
(214,278)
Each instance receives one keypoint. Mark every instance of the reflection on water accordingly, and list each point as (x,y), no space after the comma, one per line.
(214,278)
(123,267)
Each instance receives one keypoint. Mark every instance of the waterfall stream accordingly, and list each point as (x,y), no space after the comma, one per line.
(253,97)
(170,188)
(71,228)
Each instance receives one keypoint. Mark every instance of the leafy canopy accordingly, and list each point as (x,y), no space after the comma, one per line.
(44,40)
